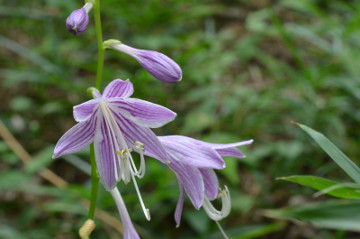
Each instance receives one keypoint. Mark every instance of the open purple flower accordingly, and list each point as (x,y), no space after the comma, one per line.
(117,125)
(78,20)
(157,64)
(193,162)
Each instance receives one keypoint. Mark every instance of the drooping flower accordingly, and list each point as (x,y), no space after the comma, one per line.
(157,64)
(193,162)
(117,125)
(78,20)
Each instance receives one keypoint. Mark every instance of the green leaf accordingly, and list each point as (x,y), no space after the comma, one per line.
(339,157)
(334,214)
(327,186)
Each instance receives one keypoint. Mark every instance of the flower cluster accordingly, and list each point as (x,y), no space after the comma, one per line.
(119,125)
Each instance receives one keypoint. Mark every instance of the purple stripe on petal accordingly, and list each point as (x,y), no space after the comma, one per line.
(118,88)
(224,146)
(77,138)
(191,179)
(105,154)
(179,205)
(231,152)
(211,183)
(133,132)
(196,155)
(83,111)
(142,112)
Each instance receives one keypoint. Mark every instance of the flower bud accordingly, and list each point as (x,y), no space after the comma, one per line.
(157,64)
(78,20)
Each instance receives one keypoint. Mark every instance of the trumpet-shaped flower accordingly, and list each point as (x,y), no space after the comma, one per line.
(78,20)
(193,162)
(117,124)
(157,64)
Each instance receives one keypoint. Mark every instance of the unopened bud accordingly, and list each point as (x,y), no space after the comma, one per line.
(157,64)
(78,20)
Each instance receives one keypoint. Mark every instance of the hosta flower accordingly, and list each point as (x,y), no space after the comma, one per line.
(78,20)
(157,64)
(116,124)
(193,162)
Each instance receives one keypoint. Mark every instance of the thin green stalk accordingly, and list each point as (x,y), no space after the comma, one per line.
(100,44)
(99,72)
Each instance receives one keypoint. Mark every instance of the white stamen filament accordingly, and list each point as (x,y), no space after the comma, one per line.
(221,230)
(212,212)
(122,158)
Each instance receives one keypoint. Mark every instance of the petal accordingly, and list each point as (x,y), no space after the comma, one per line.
(128,227)
(77,138)
(133,132)
(142,112)
(179,205)
(231,152)
(224,146)
(105,155)
(83,111)
(190,178)
(118,88)
(195,155)
(211,183)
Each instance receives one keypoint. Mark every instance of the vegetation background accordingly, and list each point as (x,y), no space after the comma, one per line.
(249,69)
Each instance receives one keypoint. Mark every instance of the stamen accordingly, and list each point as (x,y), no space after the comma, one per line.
(212,212)
(141,172)
(127,166)
(221,230)
(145,210)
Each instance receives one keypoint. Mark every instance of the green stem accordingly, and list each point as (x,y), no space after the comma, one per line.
(100,44)
(99,72)
(94,183)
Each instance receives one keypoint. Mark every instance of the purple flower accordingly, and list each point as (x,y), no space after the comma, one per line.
(193,162)
(157,64)
(117,125)
(78,20)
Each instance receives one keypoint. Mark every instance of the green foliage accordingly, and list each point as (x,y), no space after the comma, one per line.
(339,157)
(331,187)
(334,214)
(250,68)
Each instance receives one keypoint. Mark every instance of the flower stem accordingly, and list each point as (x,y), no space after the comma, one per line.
(100,66)
(101,50)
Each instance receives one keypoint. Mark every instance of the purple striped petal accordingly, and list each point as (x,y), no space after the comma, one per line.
(231,152)
(211,183)
(83,111)
(118,88)
(142,112)
(128,227)
(77,138)
(179,205)
(190,178)
(224,146)
(133,132)
(105,154)
(195,155)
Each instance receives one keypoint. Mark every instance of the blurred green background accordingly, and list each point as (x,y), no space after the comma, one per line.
(250,68)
